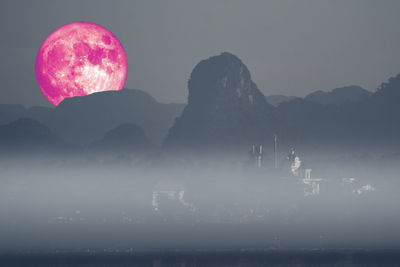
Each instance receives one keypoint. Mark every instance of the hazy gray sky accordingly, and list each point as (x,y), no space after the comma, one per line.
(291,47)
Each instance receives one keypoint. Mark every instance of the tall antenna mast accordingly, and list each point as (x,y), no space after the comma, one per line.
(259,157)
(275,151)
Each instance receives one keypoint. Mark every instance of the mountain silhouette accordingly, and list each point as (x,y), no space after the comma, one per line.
(82,120)
(11,112)
(339,96)
(276,100)
(26,134)
(380,113)
(123,138)
(225,108)
(367,122)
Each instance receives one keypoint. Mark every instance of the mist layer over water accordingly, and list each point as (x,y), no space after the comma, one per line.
(65,204)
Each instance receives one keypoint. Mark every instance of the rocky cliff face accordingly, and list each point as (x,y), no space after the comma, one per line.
(225,107)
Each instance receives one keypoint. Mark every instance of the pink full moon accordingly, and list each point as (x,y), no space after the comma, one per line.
(78,59)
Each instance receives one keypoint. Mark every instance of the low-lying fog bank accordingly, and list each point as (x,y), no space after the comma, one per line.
(122,203)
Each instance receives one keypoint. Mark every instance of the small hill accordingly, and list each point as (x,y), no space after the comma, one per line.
(11,112)
(124,138)
(27,134)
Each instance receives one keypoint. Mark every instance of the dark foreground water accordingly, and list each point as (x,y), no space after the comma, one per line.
(211,258)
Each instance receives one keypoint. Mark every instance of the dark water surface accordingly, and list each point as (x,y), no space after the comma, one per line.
(211,258)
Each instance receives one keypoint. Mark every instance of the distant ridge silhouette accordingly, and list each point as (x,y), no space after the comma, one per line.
(276,100)
(28,135)
(371,121)
(128,138)
(339,96)
(82,120)
(225,110)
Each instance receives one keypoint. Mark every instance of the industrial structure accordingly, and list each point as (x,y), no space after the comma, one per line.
(256,155)
(295,167)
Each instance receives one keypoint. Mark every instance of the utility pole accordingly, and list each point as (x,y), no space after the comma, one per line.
(276,151)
